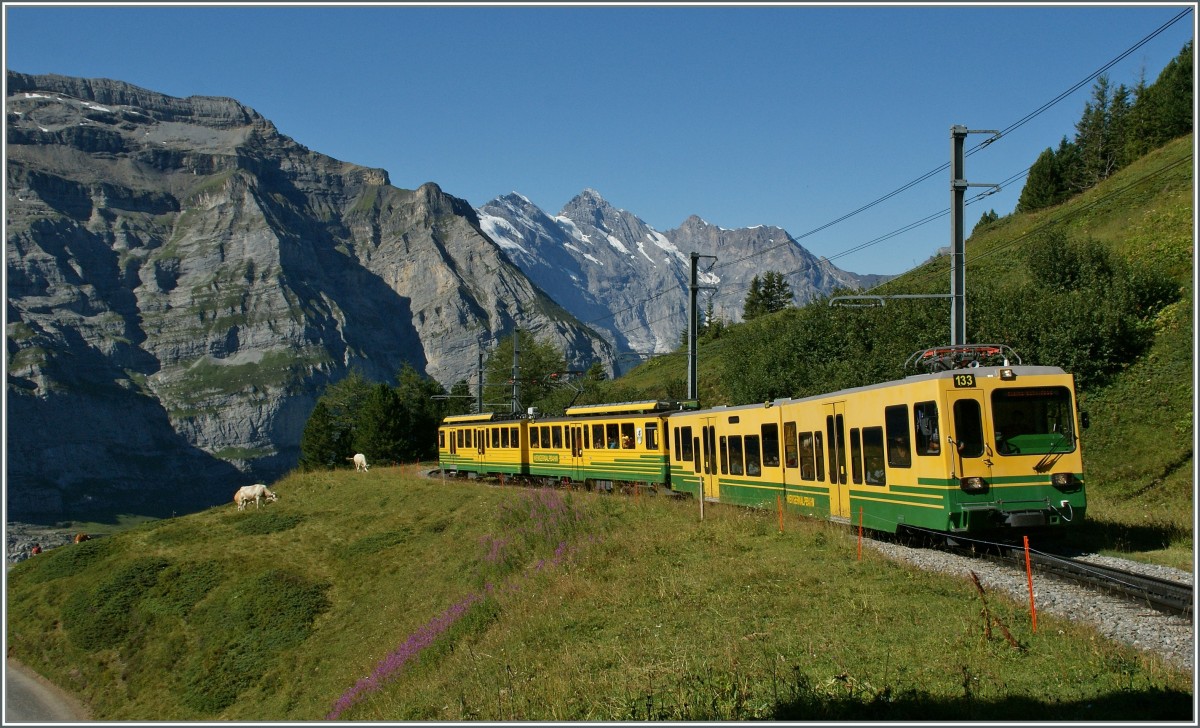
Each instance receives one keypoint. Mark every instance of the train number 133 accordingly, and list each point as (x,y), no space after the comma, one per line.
(964,380)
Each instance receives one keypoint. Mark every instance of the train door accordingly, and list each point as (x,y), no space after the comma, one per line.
(835,431)
(481,443)
(972,456)
(575,440)
(705,449)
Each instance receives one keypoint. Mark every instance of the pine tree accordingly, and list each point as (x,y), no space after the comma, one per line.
(753,306)
(538,360)
(322,443)
(776,292)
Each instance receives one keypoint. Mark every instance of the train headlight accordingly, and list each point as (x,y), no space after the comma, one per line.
(1062,480)
(1007,374)
(973,485)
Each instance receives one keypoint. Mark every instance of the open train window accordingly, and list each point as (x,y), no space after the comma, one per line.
(872,444)
(770,445)
(789,445)
(613,435)
(545,435)
(735,455)
(626,435)
(651,435)
(925,422)
(556,433)
(504,437)
(683,444)
(899,454)
(968,428)
(533,437)
(598,436)
(808,463)
(855,455)
(516,436)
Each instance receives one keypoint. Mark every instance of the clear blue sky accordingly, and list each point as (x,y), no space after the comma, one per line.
(744,115)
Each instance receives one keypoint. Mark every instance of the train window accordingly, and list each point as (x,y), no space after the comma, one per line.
(453,443)
(685,434)
(789,444)
(925,423)
(1033,421)
(612,440)
(545,435)
(495,436)
(734,419)
(503,437)
(855,455)
(753,456)
(899,454)
(627,435)
(516,436)
(872,444)
(807,463)
(442,440)
(533,437)
(468,438)
(651,435)
(820,452)
(968,428)
(459,437)
(735,455)
(556,433)
(598,436)
(770,445)
(724,456)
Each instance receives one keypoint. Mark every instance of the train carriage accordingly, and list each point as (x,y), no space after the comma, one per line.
(483,444)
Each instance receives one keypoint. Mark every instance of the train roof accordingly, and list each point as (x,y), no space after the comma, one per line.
(641,407)
(456,419)
(979,372)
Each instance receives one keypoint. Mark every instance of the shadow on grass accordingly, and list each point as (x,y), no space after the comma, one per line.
(1096,535)
(1132,705)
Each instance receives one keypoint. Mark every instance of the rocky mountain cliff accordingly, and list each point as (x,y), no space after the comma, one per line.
(631,281)
(182,281)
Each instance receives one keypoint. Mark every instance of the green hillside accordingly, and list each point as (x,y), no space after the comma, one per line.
(386,596)
(1100,285)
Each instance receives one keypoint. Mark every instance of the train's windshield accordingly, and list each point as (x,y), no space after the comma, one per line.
(1033,420)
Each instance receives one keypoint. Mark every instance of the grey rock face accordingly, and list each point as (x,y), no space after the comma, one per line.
(632,282)
(183,281)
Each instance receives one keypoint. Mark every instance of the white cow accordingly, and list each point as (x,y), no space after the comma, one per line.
(257,493)
(360,462)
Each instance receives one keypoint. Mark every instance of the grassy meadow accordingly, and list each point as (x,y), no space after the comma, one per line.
(386,596)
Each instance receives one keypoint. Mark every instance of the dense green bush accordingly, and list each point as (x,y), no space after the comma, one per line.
(102,617)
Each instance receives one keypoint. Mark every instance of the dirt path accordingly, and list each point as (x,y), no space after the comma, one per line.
(32,698)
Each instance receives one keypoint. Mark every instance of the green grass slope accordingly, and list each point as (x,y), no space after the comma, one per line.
(386,596)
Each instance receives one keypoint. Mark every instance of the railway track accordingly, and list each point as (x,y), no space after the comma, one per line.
(1164,595)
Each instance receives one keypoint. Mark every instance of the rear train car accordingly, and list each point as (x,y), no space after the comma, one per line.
(483,444)
(961,450)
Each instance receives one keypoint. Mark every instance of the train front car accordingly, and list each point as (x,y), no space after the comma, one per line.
(1000,442)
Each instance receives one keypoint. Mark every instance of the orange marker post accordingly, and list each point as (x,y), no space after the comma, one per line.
(1029,575)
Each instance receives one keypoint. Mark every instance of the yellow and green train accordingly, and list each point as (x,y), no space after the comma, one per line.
(966,448)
